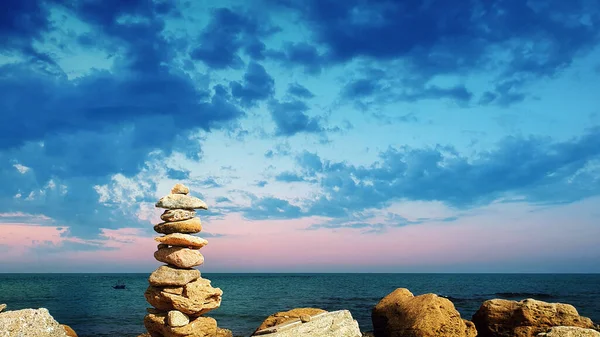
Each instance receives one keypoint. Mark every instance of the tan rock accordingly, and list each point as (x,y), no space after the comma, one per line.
(169,276)
(199,327)
(527,318)
(2,307)
(189,226)
(30,322)
(305,318)
(145,335)
(180,189)
(182,240)
(179,257)
(180,201)
(155,296)
(198,298)
(401,314)
(569,331)
(177,214)
(223,333)
(70,332)
(286,316)
(177,318)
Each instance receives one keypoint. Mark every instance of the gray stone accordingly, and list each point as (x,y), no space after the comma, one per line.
(177,214)
(180,201)
(328,324)
(30,323)
(169,276)
(569,331)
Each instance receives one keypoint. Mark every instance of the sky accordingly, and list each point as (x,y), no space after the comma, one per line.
(325,136)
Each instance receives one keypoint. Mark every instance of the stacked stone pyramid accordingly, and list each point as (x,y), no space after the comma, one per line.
(178,294)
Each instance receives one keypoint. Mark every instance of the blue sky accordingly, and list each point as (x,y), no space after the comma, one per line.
(375,121)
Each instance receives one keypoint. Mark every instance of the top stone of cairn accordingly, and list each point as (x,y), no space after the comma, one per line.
(180,200)
(180,189)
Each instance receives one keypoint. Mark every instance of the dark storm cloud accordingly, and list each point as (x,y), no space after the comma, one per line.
(290,118)
(227,33)
(535,38)
(257,85)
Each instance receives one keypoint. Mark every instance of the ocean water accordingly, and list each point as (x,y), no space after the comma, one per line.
(89,304)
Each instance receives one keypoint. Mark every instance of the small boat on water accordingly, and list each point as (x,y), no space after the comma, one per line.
(119,285)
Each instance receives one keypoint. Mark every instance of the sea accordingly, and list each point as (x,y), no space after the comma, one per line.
(90,305)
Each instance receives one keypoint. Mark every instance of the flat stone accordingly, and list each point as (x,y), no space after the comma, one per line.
(286,316)
(29,323)
(2,307)
(198,298)
(182,240)
(180,189)
(170,276)
(328,324)
(156,324)
(189,226)
(569,331)
(180,201)
(179,257)
(177,214)
(177,318)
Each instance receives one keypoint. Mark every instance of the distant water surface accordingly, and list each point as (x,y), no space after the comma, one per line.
(89,304)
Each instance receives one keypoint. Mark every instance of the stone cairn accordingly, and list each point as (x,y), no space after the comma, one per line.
(177,292)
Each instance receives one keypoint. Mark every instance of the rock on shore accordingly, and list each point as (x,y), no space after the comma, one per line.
(401,314)
(569,331)
(527,318)
(30,323)
(325,324)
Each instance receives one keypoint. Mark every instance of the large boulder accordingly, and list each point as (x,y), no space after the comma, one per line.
(527,318)
(401,314)
(327,324)
(569,331)
(286,316)
(30,323)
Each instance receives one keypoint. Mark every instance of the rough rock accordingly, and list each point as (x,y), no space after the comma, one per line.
(30,323)
(180,201)
(290,315)
(569,331)
(189,226)
(179,257)
(199,327)
(401,314)
(305,318)
(177,214)
(182,240)
(223,333)
(2,307)
(197,298)
(527,318)
(327,324)
(177,318)
(70,332)
(155,296)
(169,276)
(180,189)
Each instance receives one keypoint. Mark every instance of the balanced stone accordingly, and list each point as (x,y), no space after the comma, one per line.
(180,189)
(180,201)
(177,318)
(179,256)
(189,226)
(182,240)
(156,324)
(198,298)
(169,276)
(177,214)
